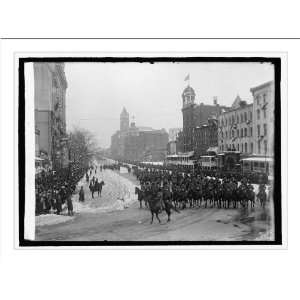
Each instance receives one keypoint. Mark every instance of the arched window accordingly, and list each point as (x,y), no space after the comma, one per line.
(246,147)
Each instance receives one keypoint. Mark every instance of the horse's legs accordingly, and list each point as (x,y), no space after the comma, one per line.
(169,215)
(152,216)
(157,217)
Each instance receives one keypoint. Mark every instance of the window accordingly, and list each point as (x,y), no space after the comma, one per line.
(264,98)
(258,130)
(251,147)
(245,132)
(258,114)
(242,118)
(232,133)
(257,100)
(258,146)
(265,147)
(242,147)
(265,129)
(251,131)
(226,135)
(250,116)
(238,132)
(246,147)
(232,119)
(265,112)
(238,147)
(245,116)
(241,132)
(237,119)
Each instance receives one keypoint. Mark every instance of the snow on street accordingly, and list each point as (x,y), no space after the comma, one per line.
(118,193)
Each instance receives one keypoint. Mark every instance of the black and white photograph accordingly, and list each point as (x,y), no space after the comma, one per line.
(150,150)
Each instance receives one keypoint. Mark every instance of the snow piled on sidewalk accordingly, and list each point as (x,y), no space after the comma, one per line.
(51,219)
(118,194)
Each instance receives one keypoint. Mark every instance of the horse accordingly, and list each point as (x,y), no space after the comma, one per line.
(262,196)
(157,205)
(99,187)
(141,196)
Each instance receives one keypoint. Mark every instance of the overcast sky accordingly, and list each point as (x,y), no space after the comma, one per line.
(151,93)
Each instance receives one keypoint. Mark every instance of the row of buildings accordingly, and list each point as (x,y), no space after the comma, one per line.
(244,127)
(51,139)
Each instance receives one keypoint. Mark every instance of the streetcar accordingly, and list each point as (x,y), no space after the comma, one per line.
(208,162)
(181,159)
(258,166)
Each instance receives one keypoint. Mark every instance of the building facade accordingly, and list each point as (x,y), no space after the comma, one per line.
(263,119)
(195,116)
(205,137)
(138,143)
(50,87)
(172,147)
(235,128)
(173,134)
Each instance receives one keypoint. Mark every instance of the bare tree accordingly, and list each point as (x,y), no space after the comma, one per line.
(82,146)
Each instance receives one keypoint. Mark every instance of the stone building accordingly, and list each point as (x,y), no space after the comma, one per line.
(50,86)
(235,128)
(138,143)
(263,119)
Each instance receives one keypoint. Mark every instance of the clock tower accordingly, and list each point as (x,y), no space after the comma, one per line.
(188,116)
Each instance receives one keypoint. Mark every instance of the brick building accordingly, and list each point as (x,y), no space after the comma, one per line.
(205,137)
(195,116)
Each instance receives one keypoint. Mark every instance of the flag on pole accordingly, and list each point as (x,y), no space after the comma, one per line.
(187,77)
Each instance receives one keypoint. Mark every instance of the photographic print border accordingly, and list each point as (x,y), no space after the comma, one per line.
(276,61)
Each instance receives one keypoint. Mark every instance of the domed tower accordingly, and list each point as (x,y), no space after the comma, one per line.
(188,104)
(188,96)
(124,120)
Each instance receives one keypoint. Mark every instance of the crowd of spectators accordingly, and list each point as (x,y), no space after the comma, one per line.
(54,189)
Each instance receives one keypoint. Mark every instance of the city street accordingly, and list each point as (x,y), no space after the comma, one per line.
(104,218)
